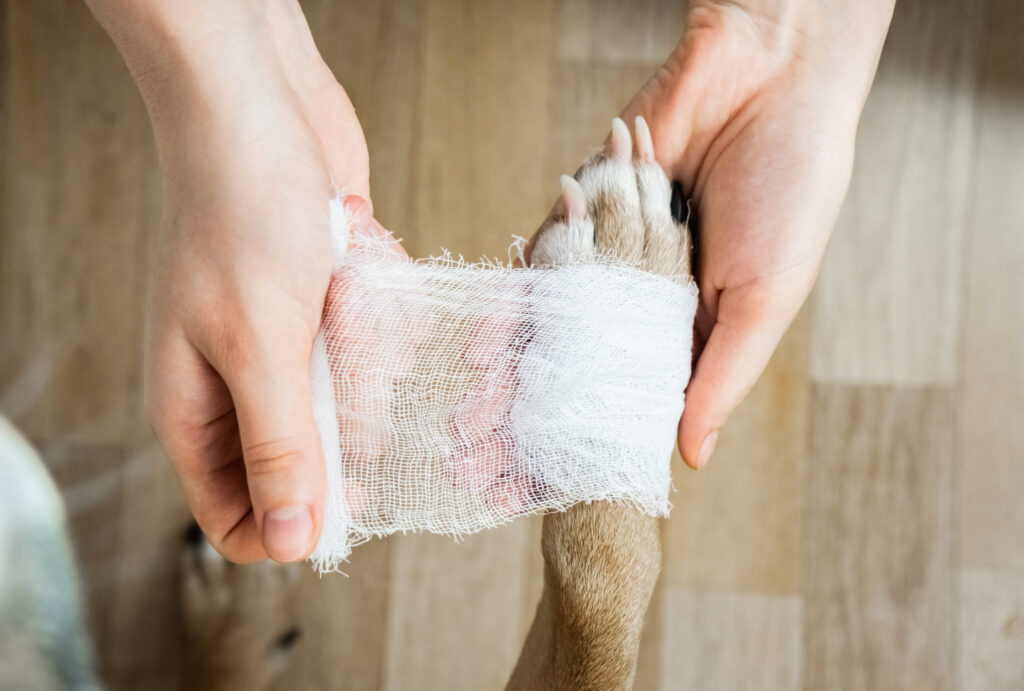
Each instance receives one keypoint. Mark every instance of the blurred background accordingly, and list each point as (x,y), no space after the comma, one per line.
(862,524)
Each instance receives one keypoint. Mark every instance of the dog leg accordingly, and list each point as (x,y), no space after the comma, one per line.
(601,560)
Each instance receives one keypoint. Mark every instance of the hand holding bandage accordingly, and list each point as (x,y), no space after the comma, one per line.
(453,397)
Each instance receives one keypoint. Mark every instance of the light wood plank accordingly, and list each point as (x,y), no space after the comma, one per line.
(991,469)
(991,628)
(79,210)
(618,33)
(344,624)
(142,584)
(83,189)
(375,51)
(722,641)
(480,136)
(582,102)
(878,587)
(887,305)
(533,573)
(455,609)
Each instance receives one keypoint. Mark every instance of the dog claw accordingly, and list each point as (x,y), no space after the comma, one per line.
(621,144)
(574,198)
(644,142)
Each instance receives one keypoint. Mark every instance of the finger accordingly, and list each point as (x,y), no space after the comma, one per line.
(192,414)
(344,144)
(507,497)
(284,461)
(364,225)
(488,342)
(484,406)
(478,463)
(733,358)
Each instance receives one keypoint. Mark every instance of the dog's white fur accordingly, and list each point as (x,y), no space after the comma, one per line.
(43,644)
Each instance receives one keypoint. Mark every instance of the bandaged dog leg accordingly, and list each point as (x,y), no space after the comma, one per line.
(453,397)
(601,559)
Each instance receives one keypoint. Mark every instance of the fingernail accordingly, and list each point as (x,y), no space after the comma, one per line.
(356,204)
(287,532)
(360,215)
(706,449)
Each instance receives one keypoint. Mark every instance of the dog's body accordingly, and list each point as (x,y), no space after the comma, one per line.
(236,618)
(43,645)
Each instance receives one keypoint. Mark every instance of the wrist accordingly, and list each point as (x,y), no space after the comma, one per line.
(835,43)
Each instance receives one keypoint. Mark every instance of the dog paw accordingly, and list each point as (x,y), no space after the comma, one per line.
(239,631)
(619,203)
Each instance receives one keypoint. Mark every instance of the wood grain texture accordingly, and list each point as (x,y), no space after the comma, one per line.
(617,33)
(878,588)
(991,631)
(79,211)
(991,468)
(81,189)
(375,49)
(454,616)
(887,305)
(344,624)
(722,641)
(472,102)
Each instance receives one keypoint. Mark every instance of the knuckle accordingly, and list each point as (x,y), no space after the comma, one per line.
(271,458)
(230,344)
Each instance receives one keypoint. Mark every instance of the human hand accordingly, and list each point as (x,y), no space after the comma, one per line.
(254,134)
(755,113)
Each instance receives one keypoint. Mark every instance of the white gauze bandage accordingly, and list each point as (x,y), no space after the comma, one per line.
(453,397)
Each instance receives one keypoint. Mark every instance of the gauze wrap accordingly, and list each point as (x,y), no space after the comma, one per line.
(453,397)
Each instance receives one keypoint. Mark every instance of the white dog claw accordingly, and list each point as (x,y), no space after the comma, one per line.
(621,144)
(644,143)
(573,197)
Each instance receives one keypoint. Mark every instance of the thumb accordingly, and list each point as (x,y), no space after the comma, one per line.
(284,460)
(733,358)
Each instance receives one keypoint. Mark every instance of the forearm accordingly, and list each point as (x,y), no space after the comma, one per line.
(195,58)
(169,46)
(219,79)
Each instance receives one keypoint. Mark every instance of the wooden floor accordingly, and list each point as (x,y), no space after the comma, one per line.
(862,524)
